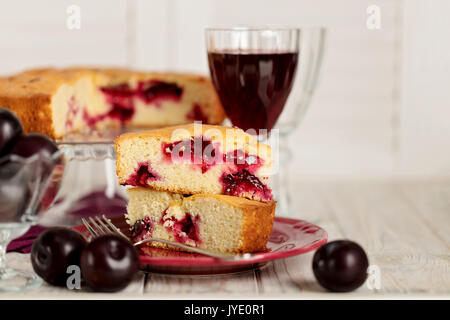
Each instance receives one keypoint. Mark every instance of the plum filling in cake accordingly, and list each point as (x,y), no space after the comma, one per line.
(142,174)
(197,114)
(121,113)
(238,179)
(72,111)
(151,92)
(202,153)
(118,93)
(155,91)
(142,229)
(121,97)
(199,151)
(117,112)
(243,182)
(184,230)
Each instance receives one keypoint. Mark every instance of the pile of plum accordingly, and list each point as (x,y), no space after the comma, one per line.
(15,148)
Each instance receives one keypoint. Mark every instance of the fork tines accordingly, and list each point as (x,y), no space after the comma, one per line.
(98,226)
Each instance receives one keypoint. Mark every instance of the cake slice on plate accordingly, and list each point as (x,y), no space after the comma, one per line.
(213,222)
(57,102)
(193,159)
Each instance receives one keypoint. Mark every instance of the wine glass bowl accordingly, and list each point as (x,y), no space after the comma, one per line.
(253,70)
(312,44)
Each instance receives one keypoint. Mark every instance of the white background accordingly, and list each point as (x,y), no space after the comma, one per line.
(382,107)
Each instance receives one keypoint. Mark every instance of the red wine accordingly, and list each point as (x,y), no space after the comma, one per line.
(253,86)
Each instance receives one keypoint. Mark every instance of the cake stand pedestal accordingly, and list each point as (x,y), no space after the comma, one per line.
(88,187)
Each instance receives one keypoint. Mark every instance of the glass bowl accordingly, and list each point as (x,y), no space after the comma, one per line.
(24,186)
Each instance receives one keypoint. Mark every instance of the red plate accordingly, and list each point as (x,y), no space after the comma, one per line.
(289,237)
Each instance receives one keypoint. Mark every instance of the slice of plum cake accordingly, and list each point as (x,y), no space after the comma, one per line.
(193,159)
(213,222)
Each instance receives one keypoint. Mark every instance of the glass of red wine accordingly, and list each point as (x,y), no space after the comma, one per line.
(254,71)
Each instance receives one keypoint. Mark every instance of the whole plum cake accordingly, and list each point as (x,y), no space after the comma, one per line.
(56,102)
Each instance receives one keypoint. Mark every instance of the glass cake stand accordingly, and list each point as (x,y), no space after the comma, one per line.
(89,185)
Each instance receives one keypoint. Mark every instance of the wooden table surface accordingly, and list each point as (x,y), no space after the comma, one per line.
(404,226)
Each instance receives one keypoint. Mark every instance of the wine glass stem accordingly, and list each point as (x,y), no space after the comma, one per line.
(282,180)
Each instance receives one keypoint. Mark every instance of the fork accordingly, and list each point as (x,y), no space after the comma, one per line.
(102,225)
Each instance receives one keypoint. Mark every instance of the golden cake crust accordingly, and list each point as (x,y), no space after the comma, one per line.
(38,81)
(29,94)
(167,132)
(47,80)
(34,112)
(258,220)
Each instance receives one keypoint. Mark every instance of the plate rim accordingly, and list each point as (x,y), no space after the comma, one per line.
(256,258)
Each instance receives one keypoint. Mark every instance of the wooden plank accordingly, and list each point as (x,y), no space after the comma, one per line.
(294,276)
(22,262)
(289,277)
(412,259)
(201,285)
(431,200)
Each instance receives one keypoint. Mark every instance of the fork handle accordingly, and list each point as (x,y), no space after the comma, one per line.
(221,256)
